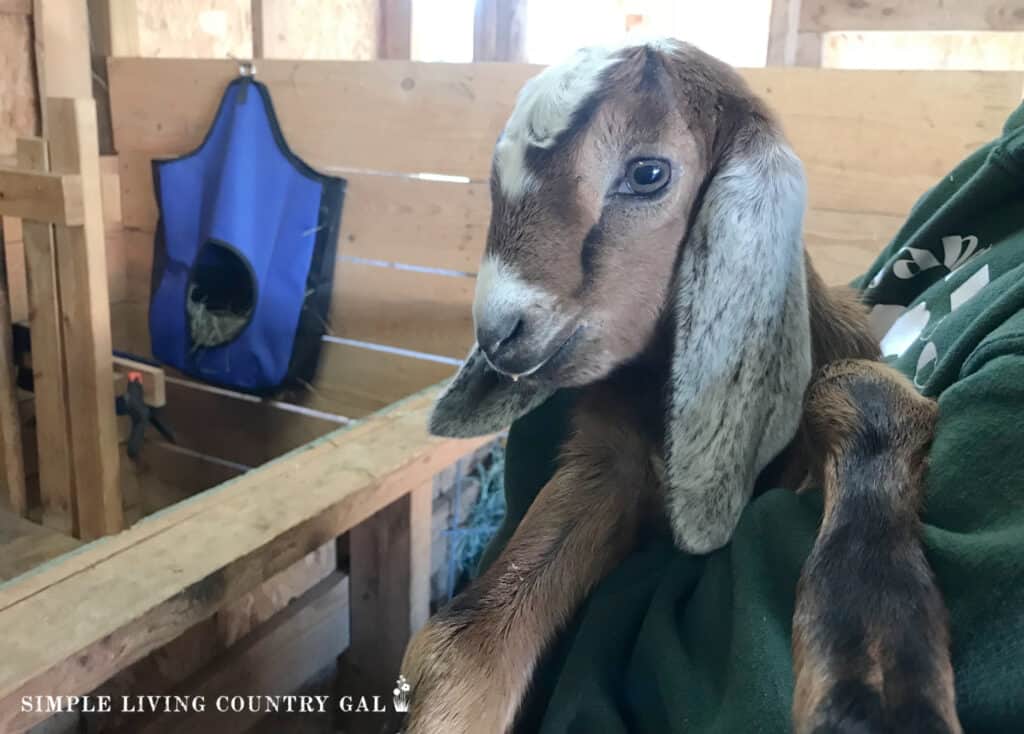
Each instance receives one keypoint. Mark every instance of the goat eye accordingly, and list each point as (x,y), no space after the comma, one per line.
(645,177)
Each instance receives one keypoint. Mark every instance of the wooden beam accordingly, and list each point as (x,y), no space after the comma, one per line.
(192,567)
(62,51)
(259,29)
(822,16)
(41,196)
(499,30)
(114,31)
(389,557)
(10,422)
(783,28)
(16,7)
(114,25)
(277,659)
(394,29)
(85,306)
(53,432)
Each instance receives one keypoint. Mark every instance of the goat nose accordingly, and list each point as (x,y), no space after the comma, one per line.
(497,336)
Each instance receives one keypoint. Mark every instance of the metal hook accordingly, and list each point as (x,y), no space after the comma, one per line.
(247,68)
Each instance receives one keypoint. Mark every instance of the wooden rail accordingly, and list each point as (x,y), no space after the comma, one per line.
(73,624)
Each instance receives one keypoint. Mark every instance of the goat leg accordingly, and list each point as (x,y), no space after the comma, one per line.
(471,665)
(870,632)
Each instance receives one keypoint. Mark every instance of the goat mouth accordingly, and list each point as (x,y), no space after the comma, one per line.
(550,360)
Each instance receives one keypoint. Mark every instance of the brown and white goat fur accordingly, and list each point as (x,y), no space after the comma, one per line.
(645,246)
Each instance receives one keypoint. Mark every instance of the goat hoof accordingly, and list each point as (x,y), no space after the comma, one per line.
(456,685)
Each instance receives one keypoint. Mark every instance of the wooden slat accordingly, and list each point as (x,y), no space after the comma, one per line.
(783,27)
(192,567)
(881,141)
(843,245)
(419,311)
(394,29)
(912,15)
(425,223)
(41,196)
(456,110)
(16,7)
(355,382)
(53,432)
(499,30)
(352,382)
(85,305)
(278,659)
(24,545)
(11,446)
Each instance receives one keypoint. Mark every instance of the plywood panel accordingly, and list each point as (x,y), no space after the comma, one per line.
(19,114)
(194,28)
(911,15)
(881,140)
(320,29)
(436,224)
(975,50)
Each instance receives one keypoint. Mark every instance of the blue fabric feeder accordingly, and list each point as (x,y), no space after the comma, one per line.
(245,250)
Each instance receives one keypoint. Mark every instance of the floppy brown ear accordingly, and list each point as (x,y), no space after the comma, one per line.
(742,357)
(479,400)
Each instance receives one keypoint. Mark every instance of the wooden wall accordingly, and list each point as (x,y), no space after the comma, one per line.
(867,154)
(19,113)
(802,30)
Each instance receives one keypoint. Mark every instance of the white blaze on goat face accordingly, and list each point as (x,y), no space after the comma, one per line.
(501,292)
(545,109)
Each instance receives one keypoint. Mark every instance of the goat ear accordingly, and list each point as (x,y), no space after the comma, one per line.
(479,400)
(742,356)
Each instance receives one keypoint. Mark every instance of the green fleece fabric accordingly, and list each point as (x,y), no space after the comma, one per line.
(676,643)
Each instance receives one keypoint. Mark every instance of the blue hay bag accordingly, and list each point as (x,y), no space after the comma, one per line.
(245,250)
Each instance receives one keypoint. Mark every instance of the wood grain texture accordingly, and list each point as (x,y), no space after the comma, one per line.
(19,106)
(912,15)
(390,577)
(193,567)
(85,308)
(394,29)
(282,655)
(41,196)
(419,311)
(53,431)
(24,545)
(12,451)
(396,219)
(882,139)
(355,382)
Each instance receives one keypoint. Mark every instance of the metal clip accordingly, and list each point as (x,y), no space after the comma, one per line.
(247,68)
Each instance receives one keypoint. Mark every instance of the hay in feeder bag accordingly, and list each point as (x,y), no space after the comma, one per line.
(245,252)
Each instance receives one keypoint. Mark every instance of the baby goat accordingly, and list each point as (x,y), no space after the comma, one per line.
(645,245)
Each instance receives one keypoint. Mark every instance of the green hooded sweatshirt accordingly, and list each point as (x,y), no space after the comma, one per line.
(676,643)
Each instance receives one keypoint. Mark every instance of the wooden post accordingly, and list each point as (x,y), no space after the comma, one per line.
(499,30)
(259,44)
(53,434)
(394,29)
(114,31)
(10,425)
(62,51)
(787,44)
(85,307)
(390,591)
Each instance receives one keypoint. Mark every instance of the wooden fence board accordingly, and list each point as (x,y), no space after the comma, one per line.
(390,218)
(277,515)
(912,15)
